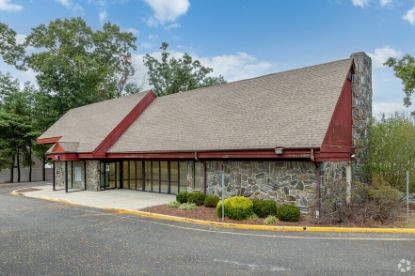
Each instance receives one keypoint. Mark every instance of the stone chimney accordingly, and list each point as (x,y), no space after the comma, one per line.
(362,115)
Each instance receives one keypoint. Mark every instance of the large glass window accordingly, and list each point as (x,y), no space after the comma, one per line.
(174,177)
(183,176)
(164,177)
(198,181)
(156,173)
(125,175)
(147,165)
(133,177)
(139,175)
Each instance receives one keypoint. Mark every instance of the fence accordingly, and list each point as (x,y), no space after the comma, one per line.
(37,174)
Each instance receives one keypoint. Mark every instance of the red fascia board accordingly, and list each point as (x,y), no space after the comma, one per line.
(57,148)
(247,154)
(63,157)
(50,140)
(337,142)
(125,123)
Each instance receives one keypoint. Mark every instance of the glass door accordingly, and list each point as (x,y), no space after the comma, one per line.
(110,175)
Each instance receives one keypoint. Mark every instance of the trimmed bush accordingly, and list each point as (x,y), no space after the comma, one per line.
(173,204)
(270,220)
(289,213)
(211,201)
(196,197)
(238,208)
(264,208)
(182,197)
(187,206)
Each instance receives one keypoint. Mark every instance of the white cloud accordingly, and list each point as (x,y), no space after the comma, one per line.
(20,38)
(232,67)
(384,3)
(172,26)
(7,6)
(410,16)
(69,4)
(146,45)
(102,17)
(360,3)
(134,31)
(380,55)
(388,108)
(237,66)
(166,11)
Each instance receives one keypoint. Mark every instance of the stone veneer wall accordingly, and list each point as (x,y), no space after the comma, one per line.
(362,115)
(92,175)
(332,185)
(59,175)
(283,181)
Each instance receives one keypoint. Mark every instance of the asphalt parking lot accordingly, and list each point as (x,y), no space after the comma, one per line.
(44,238)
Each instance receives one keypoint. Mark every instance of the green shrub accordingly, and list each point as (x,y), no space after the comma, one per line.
(211,201)
(173,204)
(238,208)
(264,208)
(270,220)
(182,197)
(196,197)
(289,213)
(187,206)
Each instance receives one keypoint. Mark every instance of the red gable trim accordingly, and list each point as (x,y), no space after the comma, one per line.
(57,148)
(230,154)
(123,125)
(337,144)
(50,140)
(63,156)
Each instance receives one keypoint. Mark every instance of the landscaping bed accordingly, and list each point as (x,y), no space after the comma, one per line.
(205,213)
(242,210)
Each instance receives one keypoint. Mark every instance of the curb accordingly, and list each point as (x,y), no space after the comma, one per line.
(275,228)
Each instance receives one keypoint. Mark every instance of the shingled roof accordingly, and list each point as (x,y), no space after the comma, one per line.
(82,129)
(290,109)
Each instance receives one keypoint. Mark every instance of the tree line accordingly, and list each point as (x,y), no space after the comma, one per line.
(75,65)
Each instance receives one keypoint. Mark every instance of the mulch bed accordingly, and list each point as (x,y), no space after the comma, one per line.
(205,213)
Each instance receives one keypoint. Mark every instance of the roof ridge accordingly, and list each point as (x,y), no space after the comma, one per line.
(107,100)
(258,77)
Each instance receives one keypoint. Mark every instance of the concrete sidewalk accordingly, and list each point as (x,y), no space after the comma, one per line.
(120,199)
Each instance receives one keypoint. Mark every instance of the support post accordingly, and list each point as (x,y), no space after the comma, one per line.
(85,175)
(66,176)
(53,176)
(223,195)
(407,196)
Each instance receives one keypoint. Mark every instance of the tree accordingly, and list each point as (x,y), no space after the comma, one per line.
(171,75)
(16,130)
(10,50)
(405,70)
(75,66)
(392,150)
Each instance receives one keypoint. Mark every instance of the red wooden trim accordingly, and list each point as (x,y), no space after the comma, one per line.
(247,154)
(337,142)
(63,156)
(50,140)
(125,123)
(57,148)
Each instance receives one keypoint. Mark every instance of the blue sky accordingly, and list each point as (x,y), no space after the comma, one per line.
(246,38)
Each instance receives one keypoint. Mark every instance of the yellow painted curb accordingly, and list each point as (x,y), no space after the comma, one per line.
(275,228)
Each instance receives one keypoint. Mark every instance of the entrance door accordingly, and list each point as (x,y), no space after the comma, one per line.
(110,175)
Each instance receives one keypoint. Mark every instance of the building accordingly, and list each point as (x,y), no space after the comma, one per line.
(298,136)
